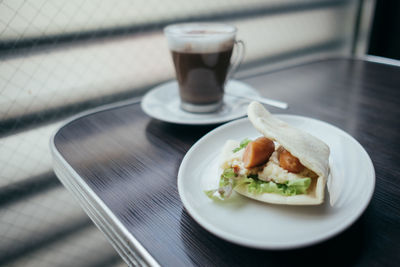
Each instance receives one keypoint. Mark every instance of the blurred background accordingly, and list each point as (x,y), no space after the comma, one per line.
(59,58)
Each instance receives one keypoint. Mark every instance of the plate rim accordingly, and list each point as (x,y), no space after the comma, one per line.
(211,121)
(273,246)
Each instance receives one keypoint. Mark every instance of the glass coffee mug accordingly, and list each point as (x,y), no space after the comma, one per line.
(202,57)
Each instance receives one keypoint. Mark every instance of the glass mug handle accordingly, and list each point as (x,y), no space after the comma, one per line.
(237,60)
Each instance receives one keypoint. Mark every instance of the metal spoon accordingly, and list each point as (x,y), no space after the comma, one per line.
(267,101)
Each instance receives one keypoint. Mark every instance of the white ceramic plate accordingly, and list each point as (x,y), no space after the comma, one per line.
(251,223)
(163,103)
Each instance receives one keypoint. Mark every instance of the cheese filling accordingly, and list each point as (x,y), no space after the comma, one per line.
(271,171)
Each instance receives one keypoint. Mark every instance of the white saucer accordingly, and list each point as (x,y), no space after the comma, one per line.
(163,103)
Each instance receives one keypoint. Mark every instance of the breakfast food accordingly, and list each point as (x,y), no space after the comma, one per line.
(284,166)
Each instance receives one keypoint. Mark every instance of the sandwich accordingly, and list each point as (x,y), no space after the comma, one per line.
(283,166)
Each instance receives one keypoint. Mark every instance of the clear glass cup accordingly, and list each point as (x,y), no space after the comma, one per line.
(202,53)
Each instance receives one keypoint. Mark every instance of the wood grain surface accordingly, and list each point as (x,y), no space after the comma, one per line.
(131,162)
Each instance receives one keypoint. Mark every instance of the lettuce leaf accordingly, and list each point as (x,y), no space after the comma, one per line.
(290,188)
(300,186)
(229,180)
(242,145)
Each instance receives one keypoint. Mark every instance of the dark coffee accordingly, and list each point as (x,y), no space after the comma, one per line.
(201,76)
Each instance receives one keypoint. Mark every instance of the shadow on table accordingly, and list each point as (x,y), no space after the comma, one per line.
(177,134)
(206,249)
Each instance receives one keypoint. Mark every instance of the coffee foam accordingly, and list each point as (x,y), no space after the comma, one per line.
(203,45)
(200,39)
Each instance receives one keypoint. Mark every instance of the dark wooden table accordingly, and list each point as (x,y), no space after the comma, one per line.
(123,165)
